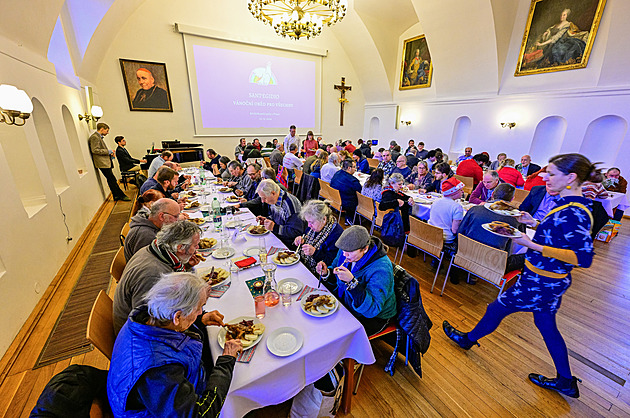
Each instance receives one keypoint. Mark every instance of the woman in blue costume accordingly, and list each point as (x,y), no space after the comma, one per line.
(562,241)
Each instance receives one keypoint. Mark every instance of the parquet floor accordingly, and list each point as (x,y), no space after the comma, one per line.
(490,380)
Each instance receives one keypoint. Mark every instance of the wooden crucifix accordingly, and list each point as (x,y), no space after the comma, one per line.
(342,100)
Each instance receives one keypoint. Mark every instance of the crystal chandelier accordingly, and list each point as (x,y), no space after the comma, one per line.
(298,18)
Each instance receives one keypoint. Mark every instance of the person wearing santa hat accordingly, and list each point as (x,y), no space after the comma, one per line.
(447,213)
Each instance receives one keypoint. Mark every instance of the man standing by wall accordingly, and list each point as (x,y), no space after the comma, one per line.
(292,138)
(102,157)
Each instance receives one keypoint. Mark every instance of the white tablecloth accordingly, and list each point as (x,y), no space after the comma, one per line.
(267,379)
(614,200)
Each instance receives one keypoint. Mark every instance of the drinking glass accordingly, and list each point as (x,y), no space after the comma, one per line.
(262,250)
(259,302)
(285,294)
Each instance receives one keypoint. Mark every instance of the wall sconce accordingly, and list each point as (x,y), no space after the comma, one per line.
(96,114)
(405,122)
(508,124)
(15,105)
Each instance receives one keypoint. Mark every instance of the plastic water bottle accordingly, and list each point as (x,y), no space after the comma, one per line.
(202,176)
(216,215)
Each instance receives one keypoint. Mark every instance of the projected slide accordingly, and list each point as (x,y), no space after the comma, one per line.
(247,90)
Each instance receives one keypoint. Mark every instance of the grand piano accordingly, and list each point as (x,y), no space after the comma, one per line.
(183,153)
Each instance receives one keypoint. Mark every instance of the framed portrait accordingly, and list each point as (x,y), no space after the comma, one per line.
(416,67)
(146,85)
(559,35)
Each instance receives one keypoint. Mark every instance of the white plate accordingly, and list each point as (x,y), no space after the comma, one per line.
(200,223)
(516,234)
(223,332)
(232,224)
(318,292)
(295,284)
(229,191)
(515,212)
(258,235)
(252,251)
(221,253)
(237,201)
(284,341)
(205,270)
(275,260)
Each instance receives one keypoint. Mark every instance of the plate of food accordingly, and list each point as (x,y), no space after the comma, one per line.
(225,252)
(217,182)
(248,330)
(286,258)
(206,244)
(225,190)
(284,341)
(232,199)
(502,229)
(257,230)
(192,205)
(293,284)
(319,304)
(503,208)
(198,221)
(215,276)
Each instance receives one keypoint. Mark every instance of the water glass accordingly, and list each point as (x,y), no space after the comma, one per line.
(259,302)
(285,294)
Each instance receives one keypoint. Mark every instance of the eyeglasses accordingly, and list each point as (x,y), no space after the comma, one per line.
(174,216)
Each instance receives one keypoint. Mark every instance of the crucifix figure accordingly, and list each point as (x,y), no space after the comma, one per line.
(342,100)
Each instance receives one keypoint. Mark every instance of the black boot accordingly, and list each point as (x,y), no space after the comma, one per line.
(568,387)
(461,338)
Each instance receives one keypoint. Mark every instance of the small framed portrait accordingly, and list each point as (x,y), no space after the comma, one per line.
(146,84)
(416,67)
(559,35)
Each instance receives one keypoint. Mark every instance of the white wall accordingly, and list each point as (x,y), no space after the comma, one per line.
(165,45)
(33,245)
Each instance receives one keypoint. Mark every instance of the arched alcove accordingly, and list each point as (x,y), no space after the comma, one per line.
(374,128)
(459,141)
(548,139)
(75,145)
(49,145)
(603,138)
(24,173)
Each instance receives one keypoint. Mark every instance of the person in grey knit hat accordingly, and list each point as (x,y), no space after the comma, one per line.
(362,278)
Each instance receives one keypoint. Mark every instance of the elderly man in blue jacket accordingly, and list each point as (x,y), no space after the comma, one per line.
(348,186)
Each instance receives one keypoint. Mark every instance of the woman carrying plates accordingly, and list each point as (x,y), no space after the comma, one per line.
(562,241)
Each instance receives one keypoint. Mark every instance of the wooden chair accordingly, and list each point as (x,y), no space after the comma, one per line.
(298,178)
(118,264)
(378,219)
(468,183)
(373,163)
(365,208)
(100,327)
(123,233)
(267,162)
(427,238)
(335,199)
(485,262)
(323,189)
(519,196)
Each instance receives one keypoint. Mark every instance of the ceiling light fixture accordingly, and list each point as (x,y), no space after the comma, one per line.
(298,18)
(15,105)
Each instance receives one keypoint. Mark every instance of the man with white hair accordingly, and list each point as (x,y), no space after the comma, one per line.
(142,230)
(174,247)
(329,169)
(280,212)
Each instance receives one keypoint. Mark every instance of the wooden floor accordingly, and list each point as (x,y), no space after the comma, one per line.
(490,380)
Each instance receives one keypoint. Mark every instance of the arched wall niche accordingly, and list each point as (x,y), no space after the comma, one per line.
(548,138)
(75,145)
(49,145)
(603,138)
(459,140)
(374,128)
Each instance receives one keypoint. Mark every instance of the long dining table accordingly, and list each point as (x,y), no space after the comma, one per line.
(268,379)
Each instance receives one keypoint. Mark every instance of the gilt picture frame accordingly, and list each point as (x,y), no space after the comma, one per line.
(559,35)
(416,67)
(146,85)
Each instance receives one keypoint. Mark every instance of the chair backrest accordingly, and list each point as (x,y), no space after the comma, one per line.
(123,233)
(372,162)
(100,328)
(323,189)
(118,264)
(365,206)
(427,237)
(519,196)
(267,162)
(298,175)
(468,183)
(334,196)
(378,221)
(481,260)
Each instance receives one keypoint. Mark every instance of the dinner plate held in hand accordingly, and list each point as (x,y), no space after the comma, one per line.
(513,212)
(516,234)
(319,315)
(284,341)
(223,332)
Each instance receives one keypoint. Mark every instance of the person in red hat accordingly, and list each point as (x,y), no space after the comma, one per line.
(447,213)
